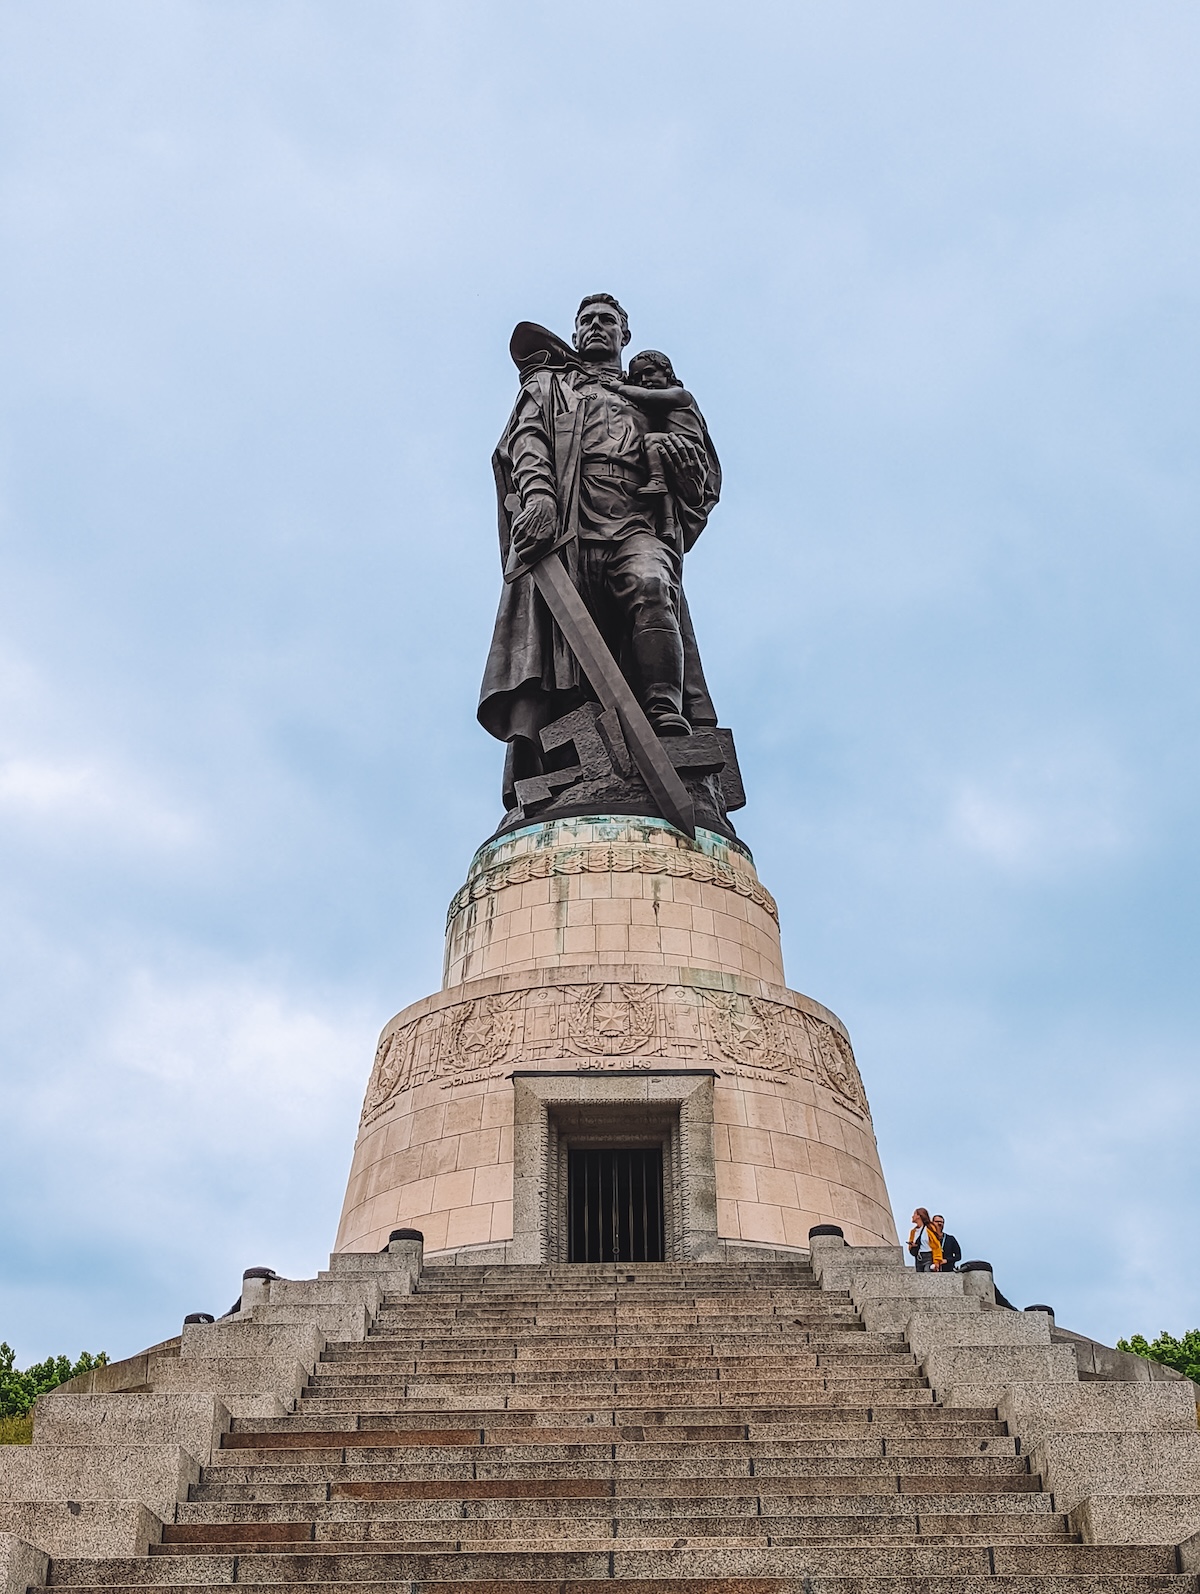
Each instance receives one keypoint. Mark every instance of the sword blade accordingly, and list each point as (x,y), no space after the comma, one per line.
(611,687)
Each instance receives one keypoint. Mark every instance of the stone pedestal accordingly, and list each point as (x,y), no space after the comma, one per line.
(607,978)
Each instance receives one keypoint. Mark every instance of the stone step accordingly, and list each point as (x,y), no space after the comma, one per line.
(604,1358)
(699,1339)
(896,1396)
(711,1286)
(751,1261)
(851,1347)
(372,1564)
(247,1446)
(798,1472)
(697,1281)
(816,1465)
(759,1329)
(666,1298)
(615,1392)
(610,1359)
(620,1299)
(801,1369)
(557,1532)
(802,1303)
(609,1362)
(619,1392)
(764,1421)
(769,1335)
(541,1540)
(819,1311)
(801,1362)
(483,1445)
(811,1304)
(563,1349)
(703,1278)
(580,1272)
(583,1275)
(613,1364)
(753,1503)
(816,1302)
(648,1312)
(1180,1583)
(713,1395)
(677,1492)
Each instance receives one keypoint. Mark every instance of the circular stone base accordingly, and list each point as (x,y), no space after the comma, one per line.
(787,1141)
(612,889)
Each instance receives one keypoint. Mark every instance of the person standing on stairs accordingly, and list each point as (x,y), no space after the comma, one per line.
(951,1250)
(922,1233)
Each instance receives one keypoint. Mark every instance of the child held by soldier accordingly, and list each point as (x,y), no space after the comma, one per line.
(653,386)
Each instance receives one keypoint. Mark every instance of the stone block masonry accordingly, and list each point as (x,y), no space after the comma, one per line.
(613,947)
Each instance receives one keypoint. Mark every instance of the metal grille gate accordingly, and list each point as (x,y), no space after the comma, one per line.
(615,1205)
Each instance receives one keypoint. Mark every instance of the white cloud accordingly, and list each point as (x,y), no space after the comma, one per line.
(199,1126)
(1037,815)
(87,796)
(237,1046)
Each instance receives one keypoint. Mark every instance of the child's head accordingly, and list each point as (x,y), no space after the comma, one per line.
(652,369)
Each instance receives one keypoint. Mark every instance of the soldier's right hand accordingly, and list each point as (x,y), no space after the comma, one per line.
(535,526)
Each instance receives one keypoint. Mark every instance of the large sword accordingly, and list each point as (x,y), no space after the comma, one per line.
(610,686)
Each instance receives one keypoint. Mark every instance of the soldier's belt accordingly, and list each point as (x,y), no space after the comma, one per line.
(615,468)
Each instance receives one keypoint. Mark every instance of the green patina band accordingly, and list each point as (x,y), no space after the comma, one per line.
(613,845)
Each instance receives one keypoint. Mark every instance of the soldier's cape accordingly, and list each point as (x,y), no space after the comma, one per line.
(531,676)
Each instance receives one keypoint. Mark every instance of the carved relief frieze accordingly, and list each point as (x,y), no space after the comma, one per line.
(836,1068)
(613,858)
(612,1020)
(612,1024)
(480,1035)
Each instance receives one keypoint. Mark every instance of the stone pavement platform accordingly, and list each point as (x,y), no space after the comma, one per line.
(835,1424)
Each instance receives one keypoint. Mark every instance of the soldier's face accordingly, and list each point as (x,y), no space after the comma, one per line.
(598,334)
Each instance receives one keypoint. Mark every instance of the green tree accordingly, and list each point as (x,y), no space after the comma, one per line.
(1181,1354)
(19,1390)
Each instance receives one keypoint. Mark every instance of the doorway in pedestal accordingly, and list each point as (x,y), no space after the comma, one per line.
(615,1204)
(621,1115)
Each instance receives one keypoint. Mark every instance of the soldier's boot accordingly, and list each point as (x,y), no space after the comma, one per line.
(659,657)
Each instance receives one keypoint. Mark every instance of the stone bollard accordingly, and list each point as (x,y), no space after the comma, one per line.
(986,1267)
(408,1248)
(256,1287)
(825,1242)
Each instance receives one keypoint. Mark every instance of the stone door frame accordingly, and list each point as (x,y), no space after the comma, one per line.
(550,1107)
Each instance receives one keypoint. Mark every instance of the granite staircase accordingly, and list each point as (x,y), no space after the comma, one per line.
(669,1427)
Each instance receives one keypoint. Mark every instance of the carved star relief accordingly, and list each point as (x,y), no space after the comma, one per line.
(475,1034)
(611,1018)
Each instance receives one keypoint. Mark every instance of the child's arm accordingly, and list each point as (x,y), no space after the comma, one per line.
(657,398)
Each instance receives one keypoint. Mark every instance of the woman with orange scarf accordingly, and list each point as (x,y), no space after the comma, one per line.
(928,1229)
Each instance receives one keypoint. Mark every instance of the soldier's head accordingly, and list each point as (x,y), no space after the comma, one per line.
(601,329)
(651,368)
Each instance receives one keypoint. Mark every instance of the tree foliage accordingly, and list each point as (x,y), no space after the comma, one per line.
(19,1390)
(1181,1354)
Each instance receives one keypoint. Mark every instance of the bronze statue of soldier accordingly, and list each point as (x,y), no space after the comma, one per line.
(619,475)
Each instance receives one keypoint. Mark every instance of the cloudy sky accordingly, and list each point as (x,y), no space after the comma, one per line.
(932,272)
